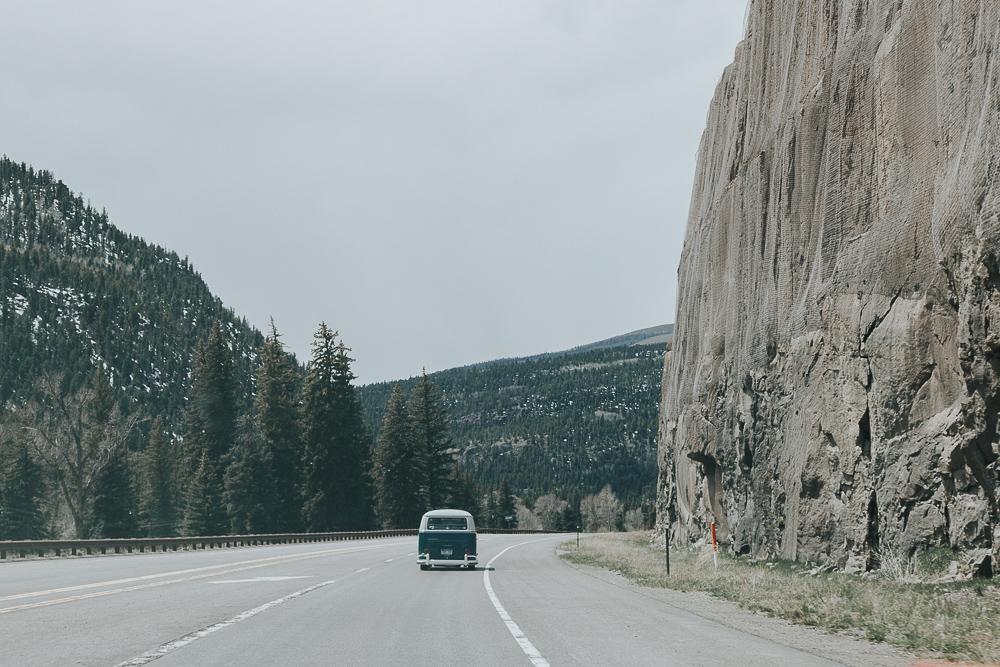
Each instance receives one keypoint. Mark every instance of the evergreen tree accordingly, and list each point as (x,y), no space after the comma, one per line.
(462,494)
(250,493)
(203,511)
(157,510)
(211,428)
(212,398)
(336,490)
(507,508)
(353,443)
(430,429)
(114,512)
(398,468)
(492,511)
(21,515)
(571,519)
(276,419)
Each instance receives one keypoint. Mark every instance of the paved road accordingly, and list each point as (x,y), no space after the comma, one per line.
(351,603)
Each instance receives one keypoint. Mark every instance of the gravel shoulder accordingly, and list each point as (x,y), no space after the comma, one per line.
(840,648)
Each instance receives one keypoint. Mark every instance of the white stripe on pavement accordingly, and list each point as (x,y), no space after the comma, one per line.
(163,649)
(155,584)
(219,566)
(529,649)
(261,579)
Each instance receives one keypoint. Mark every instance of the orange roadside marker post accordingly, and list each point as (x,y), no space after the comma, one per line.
(715,547)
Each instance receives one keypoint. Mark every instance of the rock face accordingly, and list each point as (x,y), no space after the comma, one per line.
(834,384)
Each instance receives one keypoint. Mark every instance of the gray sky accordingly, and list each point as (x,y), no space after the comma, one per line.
(444,181)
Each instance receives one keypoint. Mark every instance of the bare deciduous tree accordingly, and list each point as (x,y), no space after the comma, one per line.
(549,510)
(634,520)
(526,519)
(74,434)
(602,512)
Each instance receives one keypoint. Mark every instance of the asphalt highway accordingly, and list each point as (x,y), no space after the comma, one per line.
(351,603)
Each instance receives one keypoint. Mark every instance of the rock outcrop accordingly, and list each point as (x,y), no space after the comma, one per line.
(834,384)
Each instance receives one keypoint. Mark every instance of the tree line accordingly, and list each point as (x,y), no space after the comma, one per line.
(296,456)
(563,423)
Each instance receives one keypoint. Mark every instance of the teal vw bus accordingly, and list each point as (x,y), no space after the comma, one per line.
(447,538)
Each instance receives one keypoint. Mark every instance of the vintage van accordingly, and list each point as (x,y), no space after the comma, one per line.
(447,538)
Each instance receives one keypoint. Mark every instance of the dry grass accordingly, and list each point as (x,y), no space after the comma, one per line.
(954,620)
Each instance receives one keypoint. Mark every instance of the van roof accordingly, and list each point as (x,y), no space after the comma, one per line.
(448,513)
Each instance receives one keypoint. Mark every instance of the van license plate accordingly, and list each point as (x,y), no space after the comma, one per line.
(446,552)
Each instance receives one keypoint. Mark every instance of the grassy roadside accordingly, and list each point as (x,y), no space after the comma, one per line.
(958,621)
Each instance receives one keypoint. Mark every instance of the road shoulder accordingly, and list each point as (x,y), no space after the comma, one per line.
(839,648)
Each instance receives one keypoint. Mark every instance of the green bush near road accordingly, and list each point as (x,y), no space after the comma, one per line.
(952,620)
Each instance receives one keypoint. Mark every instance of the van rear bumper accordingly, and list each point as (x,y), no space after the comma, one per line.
(469,559)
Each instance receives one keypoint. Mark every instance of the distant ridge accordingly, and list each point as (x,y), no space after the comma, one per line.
(567,422)
(658,335)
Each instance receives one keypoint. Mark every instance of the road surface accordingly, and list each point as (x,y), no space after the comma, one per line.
(352,603)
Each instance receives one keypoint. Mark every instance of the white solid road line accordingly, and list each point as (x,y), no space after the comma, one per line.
(260,579)
(220,566)
(163,649)
(155,584)
(529,649)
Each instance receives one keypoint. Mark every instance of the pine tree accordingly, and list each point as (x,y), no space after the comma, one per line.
(353,444)
(276,419)
(398,468)
(430,428)
(507,509)
(211,429)
(203,511)
(336,490)
(113,511)
(157,510)
(462,494)
(250,493)
(21,515)
(492,511)
(571,519)
(212,398)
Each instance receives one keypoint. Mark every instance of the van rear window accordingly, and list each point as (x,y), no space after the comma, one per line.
(447,523)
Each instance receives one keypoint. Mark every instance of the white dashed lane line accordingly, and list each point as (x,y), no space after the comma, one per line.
(154,584)
(180,642)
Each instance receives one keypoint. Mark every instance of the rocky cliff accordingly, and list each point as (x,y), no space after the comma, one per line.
(834,384)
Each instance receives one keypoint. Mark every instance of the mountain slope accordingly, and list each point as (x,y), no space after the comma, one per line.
(566,422)
(75,291)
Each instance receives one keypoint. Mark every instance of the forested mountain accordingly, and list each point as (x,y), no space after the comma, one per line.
(567,422)
(75,291)
(187,420)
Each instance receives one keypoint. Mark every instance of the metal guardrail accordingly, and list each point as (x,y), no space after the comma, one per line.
(43,548)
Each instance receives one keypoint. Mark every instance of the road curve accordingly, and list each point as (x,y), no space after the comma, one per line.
(351,603)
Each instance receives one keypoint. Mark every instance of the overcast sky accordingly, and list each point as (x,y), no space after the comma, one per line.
(444,181)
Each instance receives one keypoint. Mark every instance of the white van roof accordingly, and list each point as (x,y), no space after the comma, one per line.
(447,513)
